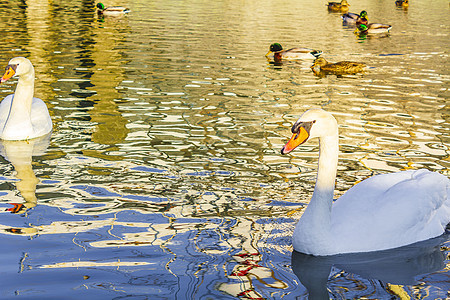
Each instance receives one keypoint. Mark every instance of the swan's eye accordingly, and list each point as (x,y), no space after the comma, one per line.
(14,67)
(295,127)
(307,125)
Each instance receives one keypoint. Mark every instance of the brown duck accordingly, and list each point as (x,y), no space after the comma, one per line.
(321,66)
(338,6)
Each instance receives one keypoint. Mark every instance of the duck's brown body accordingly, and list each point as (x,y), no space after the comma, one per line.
(339,68)
(342,6)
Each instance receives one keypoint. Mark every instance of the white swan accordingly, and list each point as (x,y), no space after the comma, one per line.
(382,212)
(22,116)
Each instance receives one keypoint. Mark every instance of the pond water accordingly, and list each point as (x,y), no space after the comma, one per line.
(163,177)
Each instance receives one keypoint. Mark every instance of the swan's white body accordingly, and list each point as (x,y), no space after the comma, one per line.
(22,116)
(383,212)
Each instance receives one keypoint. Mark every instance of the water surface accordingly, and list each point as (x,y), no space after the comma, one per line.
(163,177)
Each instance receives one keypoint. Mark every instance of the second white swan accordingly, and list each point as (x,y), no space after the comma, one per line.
(382,212)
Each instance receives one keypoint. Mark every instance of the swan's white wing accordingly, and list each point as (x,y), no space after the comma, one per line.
(392,210)
(5,107)
(40,118)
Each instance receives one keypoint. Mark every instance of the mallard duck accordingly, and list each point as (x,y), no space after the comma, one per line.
(403,3)
(111,11)
(373,28)
(352,18)
(338,6)
(277,53)
(23,117)
(343,67)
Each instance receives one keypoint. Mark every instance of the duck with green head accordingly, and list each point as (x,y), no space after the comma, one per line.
(276,53)
(352,18)
(373,28)
(112,10)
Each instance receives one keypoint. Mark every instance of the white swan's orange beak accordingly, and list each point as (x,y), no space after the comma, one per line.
(297,139)
(10,71)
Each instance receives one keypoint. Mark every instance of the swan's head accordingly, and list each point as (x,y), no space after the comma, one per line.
(17,66)
(313,123)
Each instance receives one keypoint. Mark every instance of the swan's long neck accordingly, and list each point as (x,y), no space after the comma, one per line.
(313,231)
(326,172)
(19,119)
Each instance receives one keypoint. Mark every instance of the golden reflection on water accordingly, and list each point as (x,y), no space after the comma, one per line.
(20,154)
(168,126)
(86,264)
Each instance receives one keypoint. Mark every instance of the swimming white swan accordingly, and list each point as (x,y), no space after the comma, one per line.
(382,212)
(23,117)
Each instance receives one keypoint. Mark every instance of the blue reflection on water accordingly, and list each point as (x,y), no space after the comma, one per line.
(390,54)
(190,258)
(95,191)
(47,181)
(148,169)
(284,203)
(210,173)
(103,192)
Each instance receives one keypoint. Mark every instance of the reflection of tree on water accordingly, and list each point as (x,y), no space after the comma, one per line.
(95,55)
(101,69)
(19,154)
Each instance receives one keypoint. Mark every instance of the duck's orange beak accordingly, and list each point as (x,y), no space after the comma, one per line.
(10,71)
(297,139)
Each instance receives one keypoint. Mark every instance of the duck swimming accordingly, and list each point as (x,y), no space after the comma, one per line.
(22,116)
(403,3)
(338,6)
(277,53)
(373,28)
(112,10)
(340,68)
(382,212)
(352,18)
